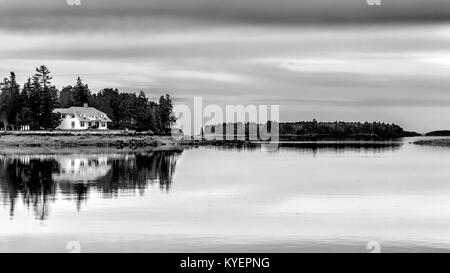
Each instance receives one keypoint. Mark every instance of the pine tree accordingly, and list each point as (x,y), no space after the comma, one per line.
(15,101)
(142,113)
(152,117)
(80,93)
(65,97)
(25,114)
(10,99)
(42,75)
(165,113)
(49,120)
(34,104)
(43,100)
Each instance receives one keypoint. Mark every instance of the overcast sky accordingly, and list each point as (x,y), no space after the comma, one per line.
(323,59)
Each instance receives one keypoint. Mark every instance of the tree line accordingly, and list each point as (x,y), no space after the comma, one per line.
(342,129)
(33,103)
(316,130)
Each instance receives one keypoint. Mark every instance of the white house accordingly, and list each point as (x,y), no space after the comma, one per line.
(82,118)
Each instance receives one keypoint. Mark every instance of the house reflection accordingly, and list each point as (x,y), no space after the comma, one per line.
(37,180)
(79,168)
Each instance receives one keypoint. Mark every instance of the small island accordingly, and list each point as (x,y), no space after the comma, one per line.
(433,142)
(37,114)
(439,133)
(437,142)
(312,130)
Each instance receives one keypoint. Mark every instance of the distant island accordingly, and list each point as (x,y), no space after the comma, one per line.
(436,142)
(315,130)
(439,133)
(341,129)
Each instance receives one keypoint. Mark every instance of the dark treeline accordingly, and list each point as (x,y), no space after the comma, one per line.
(30,105)
(343,129)
(239,128)
(34,102)
(439,133)
(315,129)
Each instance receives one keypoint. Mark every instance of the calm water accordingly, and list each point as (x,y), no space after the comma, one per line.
(303,197)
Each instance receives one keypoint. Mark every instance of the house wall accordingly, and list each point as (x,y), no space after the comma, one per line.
(66,124)
(104,127)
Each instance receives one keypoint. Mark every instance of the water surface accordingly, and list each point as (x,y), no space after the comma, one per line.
(320,197)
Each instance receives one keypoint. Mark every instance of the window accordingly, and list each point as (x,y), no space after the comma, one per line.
(82,124)
(103,124)
(73,124)
(63,115)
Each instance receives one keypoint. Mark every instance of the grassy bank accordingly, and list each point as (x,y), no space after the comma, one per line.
(118,141)
(55,141)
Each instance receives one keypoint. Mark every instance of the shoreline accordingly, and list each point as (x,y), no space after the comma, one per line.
(115,142)
(58,141)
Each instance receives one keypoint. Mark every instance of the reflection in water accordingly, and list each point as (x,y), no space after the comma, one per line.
(340,147)
(315,147)
(37,179)
(82,168)
(309,196)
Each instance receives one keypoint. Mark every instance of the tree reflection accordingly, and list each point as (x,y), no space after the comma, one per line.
(37,180)
(138,172)
(314,148)
(31,180)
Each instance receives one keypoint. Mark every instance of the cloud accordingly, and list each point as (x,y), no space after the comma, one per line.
(246,52)
(205,76)
(132,15)
(375,64)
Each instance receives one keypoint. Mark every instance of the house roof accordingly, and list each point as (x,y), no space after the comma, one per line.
(85,113)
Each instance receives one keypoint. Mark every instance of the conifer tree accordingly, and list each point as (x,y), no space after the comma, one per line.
(80,93)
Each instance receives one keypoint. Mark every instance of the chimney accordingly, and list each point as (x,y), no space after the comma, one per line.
(85,105)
